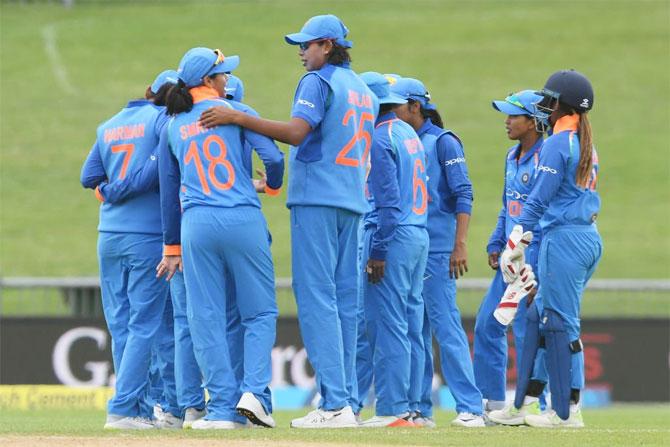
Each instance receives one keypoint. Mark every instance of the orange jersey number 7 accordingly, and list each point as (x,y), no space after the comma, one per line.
(128,149)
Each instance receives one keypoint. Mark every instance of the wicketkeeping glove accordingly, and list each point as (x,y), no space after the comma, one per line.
(512,258)
(514,293)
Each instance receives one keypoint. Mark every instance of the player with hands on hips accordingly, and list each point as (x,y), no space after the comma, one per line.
(450,191)
(330,132)
(565,203)
(224,239)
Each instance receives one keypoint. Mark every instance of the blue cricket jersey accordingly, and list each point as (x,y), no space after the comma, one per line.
(329,167)
(397,181)
(555,199)
(124,144)
(449,187)
(209,167)
(520,176)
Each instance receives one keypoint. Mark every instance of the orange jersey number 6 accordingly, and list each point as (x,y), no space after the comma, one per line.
(419,184)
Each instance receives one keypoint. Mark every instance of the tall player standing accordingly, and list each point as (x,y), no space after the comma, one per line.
(330,130)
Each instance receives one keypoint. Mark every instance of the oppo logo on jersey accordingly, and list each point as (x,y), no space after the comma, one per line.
(454,161)
(304,102)
(543,168)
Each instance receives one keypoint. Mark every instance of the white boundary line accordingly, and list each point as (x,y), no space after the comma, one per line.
(57,67)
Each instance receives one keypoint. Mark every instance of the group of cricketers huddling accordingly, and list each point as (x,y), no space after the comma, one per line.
(380,202)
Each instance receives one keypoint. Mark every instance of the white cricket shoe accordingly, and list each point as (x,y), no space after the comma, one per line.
(343,418)
(112,418)
(131,423)
(250,407)
(469,420)
(159,414)
(191,415)
(510,415)
(400,421)
(423,421)
(551,420)
(169,421)
(204,424)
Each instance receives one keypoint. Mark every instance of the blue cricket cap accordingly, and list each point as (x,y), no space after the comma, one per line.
(392,77)
(521,103)
(321,27)
(200,62)
(381,87)
(410,88)
(168,76)
(234,88)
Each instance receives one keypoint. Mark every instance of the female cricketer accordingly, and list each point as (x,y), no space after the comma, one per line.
(224,239)
(521,162)
(565,203)
(395,251)
(331,133)
(129,247)
(449,208)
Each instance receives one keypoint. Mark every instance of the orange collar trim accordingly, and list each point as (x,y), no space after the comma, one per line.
(202,92)
(567,122)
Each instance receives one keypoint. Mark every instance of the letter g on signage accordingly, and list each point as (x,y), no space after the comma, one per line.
(61,357)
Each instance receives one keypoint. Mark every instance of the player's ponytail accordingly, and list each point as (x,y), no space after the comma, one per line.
(339,55)
(585,151)
(178,99)
(161,95)
(434,116)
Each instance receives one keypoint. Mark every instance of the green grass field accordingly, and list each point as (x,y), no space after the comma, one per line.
(63,71)
(620,425)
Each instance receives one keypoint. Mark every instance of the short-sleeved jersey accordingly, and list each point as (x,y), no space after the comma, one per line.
(556,199)
(329,167)
(125,142)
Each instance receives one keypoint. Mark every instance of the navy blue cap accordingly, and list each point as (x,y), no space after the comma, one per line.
(572,88)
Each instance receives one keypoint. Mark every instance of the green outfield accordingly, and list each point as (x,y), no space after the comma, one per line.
(63,71)
(620,425)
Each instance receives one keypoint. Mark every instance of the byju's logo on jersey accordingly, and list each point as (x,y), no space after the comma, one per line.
(304,102)
(543,168)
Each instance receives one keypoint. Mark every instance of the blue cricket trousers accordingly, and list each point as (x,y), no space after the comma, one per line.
(395,325)
(133,301)
(439,294)
(224,250)
(324,244)
(568,257)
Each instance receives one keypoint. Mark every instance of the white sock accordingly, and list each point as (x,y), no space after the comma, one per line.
(530,399)
(492,405)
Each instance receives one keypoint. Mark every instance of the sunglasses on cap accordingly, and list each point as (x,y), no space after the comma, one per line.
(513,99)
(304,45)
(219,57)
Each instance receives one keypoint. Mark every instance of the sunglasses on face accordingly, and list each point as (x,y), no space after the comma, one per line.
(305,45)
